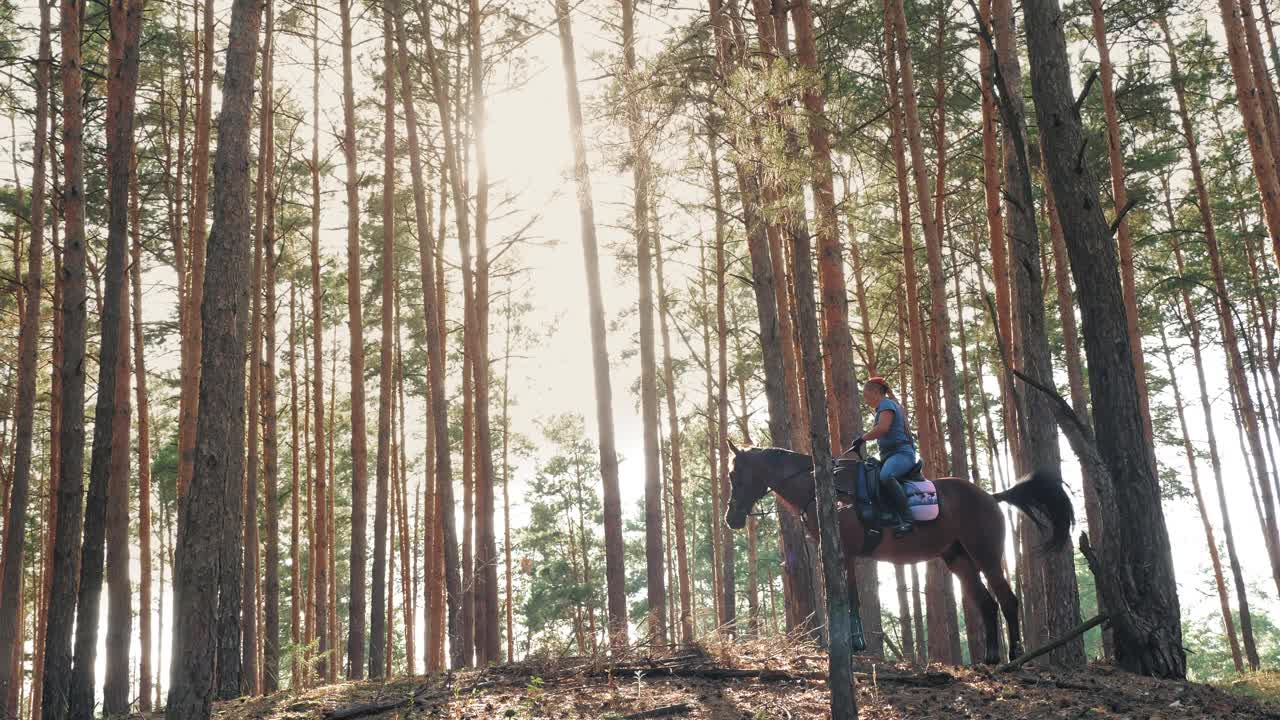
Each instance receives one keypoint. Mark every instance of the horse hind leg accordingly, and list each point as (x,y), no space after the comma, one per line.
(1009,604)
(962,565)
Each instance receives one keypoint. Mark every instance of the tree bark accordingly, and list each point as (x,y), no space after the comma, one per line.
(356,640)
(55,436)
(1003,322)
(1205,209)
(145,662)
(1120,197)
(380,617)
(1053,607)
(11,560)
(1223,599)
(216,481)
(1136,553)
(319,548)
(198,244)
(297,593)
(677,521)
(717,441)
(107,508)
(1249,98)
(614,555)
(940,630)
(655,584)
(270,436)
(799,569)
(841,600)
(931,223)
(837,341)
(433,308)
(249,592)
(487,638)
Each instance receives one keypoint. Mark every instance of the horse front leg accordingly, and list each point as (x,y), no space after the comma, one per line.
(858,639)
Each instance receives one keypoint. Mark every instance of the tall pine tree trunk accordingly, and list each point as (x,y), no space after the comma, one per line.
(677,521)
(249,609)
(940,633)
(1120,195)
(297,595)
(843,397)
(198,244)
(1249,98)
(28,348)
(381,618)
(108,496)
(1148,636)
(614,556)
(648,353)
(270,419)
(1052,607)
(355,323)
(319,547)
(445,566)
(798,563)
(1206,219)
(145,662)
(841,599)
(221,418)
(1223,598)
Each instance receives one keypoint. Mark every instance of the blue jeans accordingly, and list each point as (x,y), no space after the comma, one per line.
(898,463)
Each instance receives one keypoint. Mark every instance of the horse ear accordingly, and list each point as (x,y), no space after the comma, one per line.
(733,447)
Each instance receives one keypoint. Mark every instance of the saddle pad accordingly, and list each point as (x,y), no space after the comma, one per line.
(922,498)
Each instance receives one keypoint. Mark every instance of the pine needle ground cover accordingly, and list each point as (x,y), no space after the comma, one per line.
(781,683)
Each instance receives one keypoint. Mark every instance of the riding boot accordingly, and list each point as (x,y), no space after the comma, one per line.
(897,497)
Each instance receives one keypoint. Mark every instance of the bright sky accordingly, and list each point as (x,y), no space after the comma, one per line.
(529,153)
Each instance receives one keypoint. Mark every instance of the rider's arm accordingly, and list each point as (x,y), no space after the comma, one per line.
(884,419)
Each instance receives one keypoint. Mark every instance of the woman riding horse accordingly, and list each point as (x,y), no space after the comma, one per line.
(968,534)
(897,448)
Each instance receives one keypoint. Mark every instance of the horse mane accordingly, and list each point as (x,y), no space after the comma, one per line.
(775,456)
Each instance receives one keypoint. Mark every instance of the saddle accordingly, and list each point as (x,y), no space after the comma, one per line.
(857,484)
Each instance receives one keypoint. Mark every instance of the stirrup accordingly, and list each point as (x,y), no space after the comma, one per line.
(903,528)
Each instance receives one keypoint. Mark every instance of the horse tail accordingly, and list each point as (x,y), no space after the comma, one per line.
(1042,497)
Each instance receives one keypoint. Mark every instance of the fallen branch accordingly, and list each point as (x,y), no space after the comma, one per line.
(679,709)
(421,697)
(374,708)
(928,679)
(1072,634)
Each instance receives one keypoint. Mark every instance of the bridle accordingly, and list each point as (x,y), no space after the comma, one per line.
(769,489)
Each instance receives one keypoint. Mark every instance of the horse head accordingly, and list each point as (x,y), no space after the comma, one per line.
(748,482)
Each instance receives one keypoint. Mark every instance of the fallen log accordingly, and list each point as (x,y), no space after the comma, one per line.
(1067,637)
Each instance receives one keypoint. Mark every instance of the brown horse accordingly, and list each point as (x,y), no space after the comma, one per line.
(968,534)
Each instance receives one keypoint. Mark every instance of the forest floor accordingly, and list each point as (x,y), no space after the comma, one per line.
(754,682)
